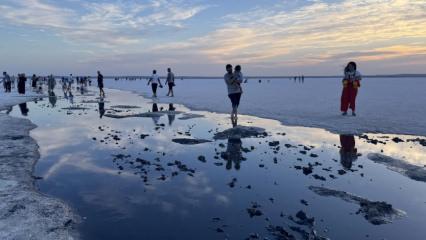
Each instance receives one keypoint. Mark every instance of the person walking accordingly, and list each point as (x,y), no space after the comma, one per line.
(51,83)
(155,82)
(351,83)
(7,82)
(233,83)
(101,84)
(170,82)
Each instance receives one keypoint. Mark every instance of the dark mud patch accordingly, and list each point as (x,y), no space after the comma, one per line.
(190,141)
(241,132)
(409,170)
(76,108)
(125,106)
(187,116)
(375,212)
(93,101)
(142,115)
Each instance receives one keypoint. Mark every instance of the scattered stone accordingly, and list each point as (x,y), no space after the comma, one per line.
(240,132)
(189,141)
(202,159)
(274,143)
(187,116)
(125,106)
(254,210)
(397,140)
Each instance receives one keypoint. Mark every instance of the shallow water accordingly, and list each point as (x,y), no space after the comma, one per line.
(130,187)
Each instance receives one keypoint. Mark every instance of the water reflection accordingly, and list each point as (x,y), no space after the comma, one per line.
(103,168)
(171,116)
(233,154)
(348,152)
(24,109)
(155,118)
(101,107)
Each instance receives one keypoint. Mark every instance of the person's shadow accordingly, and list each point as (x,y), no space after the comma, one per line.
(348,151)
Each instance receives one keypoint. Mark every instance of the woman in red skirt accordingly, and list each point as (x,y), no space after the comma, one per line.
(351,83)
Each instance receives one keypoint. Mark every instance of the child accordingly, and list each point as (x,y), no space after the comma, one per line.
(351,83)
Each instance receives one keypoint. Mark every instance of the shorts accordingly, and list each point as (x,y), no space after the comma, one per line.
(235,99)
(154,87)
(171,85)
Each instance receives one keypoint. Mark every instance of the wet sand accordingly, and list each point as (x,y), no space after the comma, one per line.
(165,172)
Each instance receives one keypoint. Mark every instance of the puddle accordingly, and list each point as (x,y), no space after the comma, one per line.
(162,171)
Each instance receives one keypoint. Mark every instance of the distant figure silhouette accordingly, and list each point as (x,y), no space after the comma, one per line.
(155,82)
(101,84)
(7,83)
(170,82)
(351,83)
(21,83)
(51,83)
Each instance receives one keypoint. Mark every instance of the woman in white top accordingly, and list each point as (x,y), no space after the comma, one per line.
(155,81)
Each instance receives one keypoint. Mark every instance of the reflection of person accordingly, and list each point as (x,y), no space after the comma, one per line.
(171,116)
(348,152)
(351,83)
(101,105)
(52,98)
(233,153)
(154,117)
(24,109)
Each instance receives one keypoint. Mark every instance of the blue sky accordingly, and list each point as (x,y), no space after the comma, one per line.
(199,37)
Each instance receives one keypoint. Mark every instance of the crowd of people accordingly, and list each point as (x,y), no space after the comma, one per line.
(233,79)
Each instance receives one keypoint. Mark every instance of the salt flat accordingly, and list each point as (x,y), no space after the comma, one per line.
(384,105)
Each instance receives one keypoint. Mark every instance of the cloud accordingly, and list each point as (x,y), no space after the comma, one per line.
(105,24)
(315,33)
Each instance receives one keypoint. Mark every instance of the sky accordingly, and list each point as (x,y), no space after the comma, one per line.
(199,37)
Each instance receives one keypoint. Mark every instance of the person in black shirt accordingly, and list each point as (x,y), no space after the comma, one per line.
(101,84)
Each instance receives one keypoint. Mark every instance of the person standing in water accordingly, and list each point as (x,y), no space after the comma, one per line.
(51,82)
(7,82)
(34,80)
(21,83)
(155,82)
(351,83)
(101,84)
(233,83)
(170,81)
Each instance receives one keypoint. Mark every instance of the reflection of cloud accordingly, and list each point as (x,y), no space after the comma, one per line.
(82,161)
